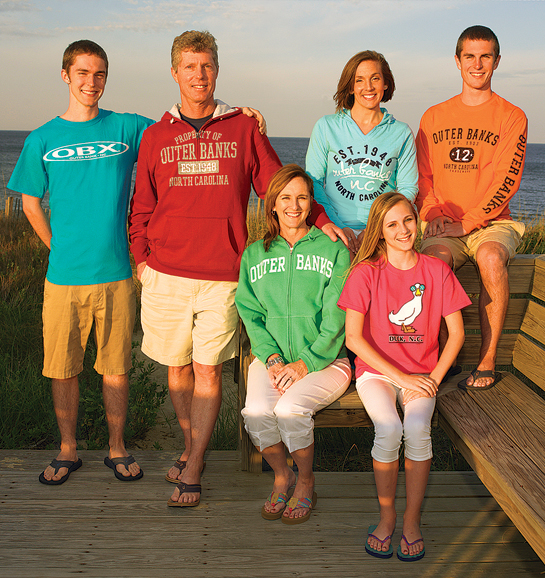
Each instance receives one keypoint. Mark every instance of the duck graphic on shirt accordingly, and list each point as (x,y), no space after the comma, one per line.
(410,311)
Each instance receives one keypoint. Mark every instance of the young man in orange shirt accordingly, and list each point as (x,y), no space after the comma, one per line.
(471,152)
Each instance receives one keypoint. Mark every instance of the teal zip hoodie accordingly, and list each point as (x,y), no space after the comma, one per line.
(351,169)
(287,298)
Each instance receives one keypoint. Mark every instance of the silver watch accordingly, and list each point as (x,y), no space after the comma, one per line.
(274,361)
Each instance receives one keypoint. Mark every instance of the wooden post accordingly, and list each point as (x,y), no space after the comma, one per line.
(250,457)
(9,206)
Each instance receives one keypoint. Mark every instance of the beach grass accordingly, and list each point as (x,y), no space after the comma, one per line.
(27,418)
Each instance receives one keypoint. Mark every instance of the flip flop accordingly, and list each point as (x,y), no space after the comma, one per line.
(126,461)
(297,504)
(373,551)
(186,489)
(180,466)
(476,374)
(274,498)
(58,464)
(408,557)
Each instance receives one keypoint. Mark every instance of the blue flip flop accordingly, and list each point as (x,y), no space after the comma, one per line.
(378,553)
(408,557)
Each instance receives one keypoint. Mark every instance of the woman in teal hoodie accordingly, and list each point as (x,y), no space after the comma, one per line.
(361,151)
(287,298)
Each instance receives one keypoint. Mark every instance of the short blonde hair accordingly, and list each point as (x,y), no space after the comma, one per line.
(193,41)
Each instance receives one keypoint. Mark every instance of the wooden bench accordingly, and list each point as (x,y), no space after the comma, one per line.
(500,432)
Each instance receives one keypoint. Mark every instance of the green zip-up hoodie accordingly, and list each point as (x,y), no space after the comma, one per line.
(287,299)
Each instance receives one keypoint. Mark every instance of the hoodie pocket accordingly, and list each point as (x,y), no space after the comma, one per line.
(203,243)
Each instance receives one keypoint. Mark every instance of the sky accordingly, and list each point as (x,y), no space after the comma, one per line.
(282,57)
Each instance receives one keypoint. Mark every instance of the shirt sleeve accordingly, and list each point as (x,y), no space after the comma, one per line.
(407,170)
(508,164)
(29,176)
(253,314)
(454,296)
(356,294)
(143,204)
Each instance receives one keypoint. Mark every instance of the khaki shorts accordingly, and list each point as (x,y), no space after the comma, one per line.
(188,319)
(68,315)
(507,233)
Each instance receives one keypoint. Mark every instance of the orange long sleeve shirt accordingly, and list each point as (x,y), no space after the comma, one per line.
(470,160)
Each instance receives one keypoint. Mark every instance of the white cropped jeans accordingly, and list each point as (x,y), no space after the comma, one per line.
(378,394)
(271,417)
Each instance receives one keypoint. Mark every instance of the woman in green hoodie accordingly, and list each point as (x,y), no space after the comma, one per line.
(287,298)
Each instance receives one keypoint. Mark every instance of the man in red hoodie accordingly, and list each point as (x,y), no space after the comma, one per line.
(188,230)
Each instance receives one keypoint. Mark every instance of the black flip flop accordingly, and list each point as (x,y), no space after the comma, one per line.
(58,464)
(476,374)
(184,488)
(126,461)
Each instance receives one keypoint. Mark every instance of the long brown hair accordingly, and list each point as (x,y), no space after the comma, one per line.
(373,245)
(278,182)
(344,97)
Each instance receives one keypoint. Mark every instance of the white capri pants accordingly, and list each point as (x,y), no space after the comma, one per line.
(378,394)
(271,417)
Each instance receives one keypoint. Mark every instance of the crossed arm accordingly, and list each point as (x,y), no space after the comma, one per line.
(415,385)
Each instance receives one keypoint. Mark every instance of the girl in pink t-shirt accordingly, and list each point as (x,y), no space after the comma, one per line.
(394,300)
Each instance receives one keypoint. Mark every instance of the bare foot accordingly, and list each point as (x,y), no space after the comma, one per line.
(385,528)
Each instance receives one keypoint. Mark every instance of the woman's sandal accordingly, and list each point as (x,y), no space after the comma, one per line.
(373,551)
(274,498)
(297,504)
(409,557)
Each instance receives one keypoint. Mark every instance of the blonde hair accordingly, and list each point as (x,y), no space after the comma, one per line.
(193,41)
(278,183)
(373,245)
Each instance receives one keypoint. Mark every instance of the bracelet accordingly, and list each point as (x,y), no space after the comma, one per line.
(274,361)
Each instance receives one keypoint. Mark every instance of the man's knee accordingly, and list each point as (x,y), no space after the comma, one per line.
(492,259)
(439,251)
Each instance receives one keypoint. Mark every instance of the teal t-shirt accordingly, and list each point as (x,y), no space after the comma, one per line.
(87,169)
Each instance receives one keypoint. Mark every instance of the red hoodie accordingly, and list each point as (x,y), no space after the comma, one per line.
(188,212)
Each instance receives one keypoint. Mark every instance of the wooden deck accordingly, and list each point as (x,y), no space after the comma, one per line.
(94,525)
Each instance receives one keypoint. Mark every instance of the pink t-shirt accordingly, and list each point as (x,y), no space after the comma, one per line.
(403,310)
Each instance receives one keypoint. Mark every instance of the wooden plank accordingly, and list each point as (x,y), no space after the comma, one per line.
(521,272)
(534,322)
(523,398)
(511,477)
(538,286)
(513,318)
(507,411)
(96,526)
(530,360)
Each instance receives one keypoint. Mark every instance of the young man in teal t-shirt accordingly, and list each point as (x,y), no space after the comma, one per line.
(85,159)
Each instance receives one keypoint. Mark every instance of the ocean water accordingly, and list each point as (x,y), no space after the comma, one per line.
(527,205)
